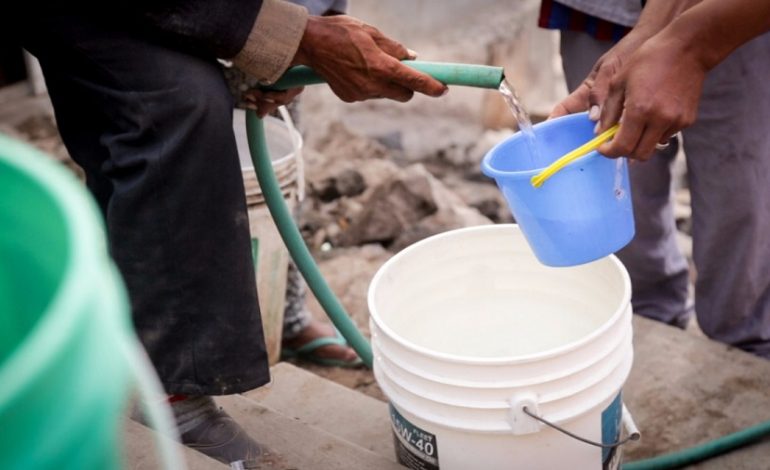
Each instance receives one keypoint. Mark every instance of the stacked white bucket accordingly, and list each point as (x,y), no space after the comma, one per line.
(468,329)
(284,143)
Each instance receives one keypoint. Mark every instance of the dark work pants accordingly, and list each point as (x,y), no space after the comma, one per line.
(728,166)
(151,125)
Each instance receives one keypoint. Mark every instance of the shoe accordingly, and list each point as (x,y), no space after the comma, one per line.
(221,438)
(308,352)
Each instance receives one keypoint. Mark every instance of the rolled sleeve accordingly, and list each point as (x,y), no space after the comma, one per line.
(273,40)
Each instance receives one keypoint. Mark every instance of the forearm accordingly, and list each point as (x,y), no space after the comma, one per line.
(657,14)
(712,29)
(273,40)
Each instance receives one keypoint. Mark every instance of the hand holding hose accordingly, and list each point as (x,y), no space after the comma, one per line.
(264,102)
(361,63)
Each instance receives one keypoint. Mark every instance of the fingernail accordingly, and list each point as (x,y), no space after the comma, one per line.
(411,54)
(594,113)
(596,127)
(445,92)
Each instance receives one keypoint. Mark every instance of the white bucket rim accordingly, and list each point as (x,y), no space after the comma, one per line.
(458,359)
(292,135)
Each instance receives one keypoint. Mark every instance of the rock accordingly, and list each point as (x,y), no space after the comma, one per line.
(488,139)
(392,207)
(448,218)
(346,164)
(392,140)
(348,182)
(341,144)
(484,197)
(408,207)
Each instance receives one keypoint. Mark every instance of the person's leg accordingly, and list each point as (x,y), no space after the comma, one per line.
(658,270)
(307,338)
(151,126)
(728,151)
(296,318)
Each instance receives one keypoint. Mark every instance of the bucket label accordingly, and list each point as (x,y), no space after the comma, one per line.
(611,421)
(415,448)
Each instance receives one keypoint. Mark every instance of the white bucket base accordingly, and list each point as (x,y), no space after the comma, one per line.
(451,449)
(457,405)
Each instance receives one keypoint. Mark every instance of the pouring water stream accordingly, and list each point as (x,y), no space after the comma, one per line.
(524,122)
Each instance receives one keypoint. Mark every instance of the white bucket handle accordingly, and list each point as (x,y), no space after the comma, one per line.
(632,433)
(294,137)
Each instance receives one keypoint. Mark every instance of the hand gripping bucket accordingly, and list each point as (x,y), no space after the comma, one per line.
(473,338)
(583,212)
(68,356)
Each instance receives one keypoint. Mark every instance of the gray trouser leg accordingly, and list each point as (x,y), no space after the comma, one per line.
(728,154)
(658,270)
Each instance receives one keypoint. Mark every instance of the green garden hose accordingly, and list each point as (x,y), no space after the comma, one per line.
(450,74)
(480,76)
(703,451)
(271,190)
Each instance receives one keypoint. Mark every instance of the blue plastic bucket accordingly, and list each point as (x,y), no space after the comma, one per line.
(580,214)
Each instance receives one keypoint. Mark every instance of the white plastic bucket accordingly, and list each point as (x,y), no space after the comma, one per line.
(284,143)
(468,328)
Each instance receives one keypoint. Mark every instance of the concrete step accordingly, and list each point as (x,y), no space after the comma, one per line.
(685,390)
(300,445)
(326,405)
(307,422)
(294,444)
(140,451)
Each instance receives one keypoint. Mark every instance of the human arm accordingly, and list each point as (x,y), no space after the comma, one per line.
(658,88)
(357,60)
(592,92)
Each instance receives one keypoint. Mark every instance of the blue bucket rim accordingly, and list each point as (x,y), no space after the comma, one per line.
(492,172)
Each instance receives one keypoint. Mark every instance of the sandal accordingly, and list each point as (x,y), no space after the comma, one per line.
(308,352)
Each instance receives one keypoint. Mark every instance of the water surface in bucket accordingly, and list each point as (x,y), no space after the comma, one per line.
(492,321)
(524,122)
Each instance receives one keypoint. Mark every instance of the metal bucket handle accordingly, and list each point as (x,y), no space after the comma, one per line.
(524,410)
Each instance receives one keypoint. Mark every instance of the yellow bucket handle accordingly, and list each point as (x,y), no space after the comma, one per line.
(557,165)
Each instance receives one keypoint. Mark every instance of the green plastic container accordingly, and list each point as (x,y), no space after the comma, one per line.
(64,324)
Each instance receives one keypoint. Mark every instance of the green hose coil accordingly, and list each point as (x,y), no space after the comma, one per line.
(703,451)
(263,167)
